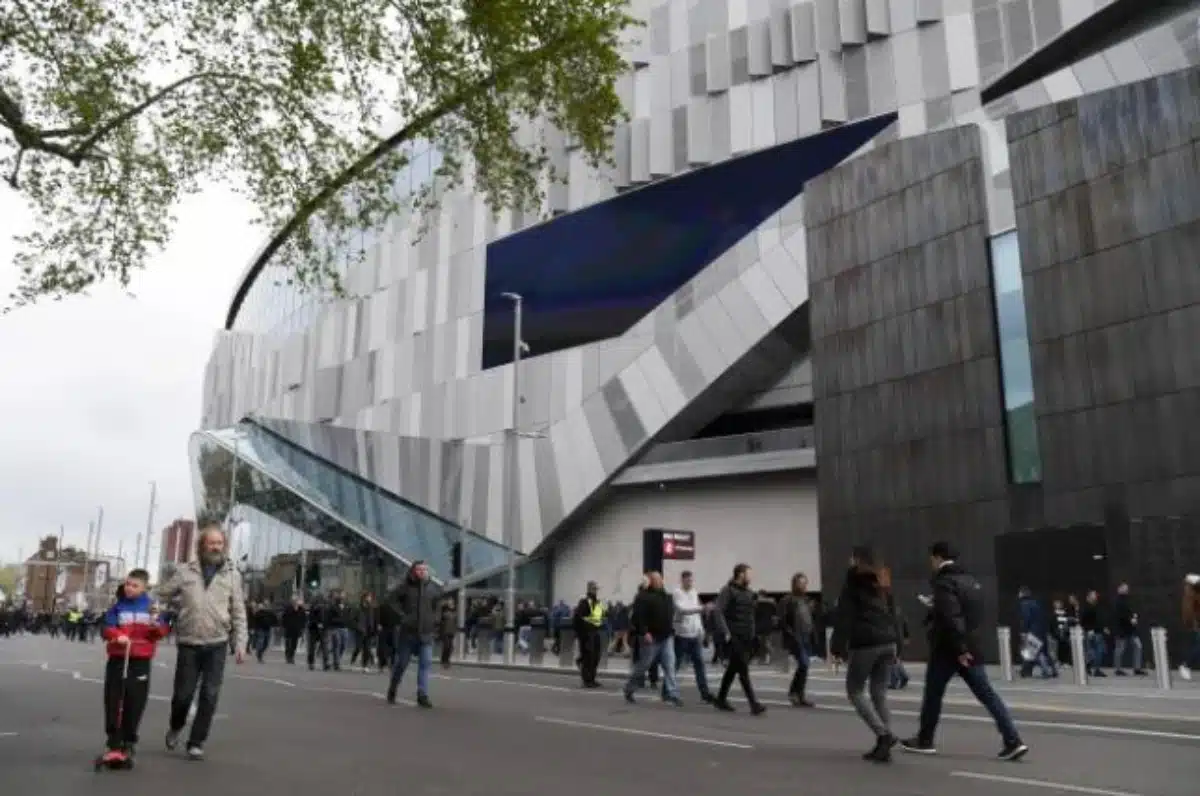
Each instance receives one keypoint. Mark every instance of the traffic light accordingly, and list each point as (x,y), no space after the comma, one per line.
(456,560)
(312,576)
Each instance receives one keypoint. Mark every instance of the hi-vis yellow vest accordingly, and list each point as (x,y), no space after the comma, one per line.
(596,617)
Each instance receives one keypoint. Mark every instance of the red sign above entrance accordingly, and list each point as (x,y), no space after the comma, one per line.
(678,545)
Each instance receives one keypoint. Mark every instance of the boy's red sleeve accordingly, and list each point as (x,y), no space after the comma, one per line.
(110,632)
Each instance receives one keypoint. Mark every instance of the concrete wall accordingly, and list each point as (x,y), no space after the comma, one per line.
(767,521)
(909,429)
(1107,189)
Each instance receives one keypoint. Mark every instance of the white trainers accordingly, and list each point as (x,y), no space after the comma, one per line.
(195,752)
(1185,672)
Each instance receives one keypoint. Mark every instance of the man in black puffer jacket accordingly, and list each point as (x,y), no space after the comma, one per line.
(734,624)
(652,619)
(954,624)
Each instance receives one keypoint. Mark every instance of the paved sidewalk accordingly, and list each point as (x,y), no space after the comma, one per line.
(1109,695)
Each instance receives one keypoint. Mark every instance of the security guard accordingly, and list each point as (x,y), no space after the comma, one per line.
(590,615)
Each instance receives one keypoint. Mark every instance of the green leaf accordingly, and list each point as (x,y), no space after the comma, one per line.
(111,113)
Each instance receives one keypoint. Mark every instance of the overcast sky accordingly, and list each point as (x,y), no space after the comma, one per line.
(100,393)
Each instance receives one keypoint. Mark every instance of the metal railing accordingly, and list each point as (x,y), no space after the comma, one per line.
(734,445)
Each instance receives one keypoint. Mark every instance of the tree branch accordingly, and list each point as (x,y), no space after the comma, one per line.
(406,133)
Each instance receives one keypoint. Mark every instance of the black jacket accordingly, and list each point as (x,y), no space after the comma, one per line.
(415,603)
(734,616)
(864,616)
(795,620)
(1089,618)
(336,615)
(654,613)
(294,620)
(956,617)
(1124,617)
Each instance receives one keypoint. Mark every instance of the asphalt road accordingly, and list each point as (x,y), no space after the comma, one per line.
(287,730)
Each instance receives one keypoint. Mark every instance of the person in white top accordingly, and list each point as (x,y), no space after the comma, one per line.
(689,632)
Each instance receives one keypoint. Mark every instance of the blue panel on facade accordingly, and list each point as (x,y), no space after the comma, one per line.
(592,274)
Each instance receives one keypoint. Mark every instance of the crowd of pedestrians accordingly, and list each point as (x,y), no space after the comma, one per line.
(661,629)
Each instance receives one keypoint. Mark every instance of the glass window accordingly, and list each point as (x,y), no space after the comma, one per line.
(1016,364)
(306,492)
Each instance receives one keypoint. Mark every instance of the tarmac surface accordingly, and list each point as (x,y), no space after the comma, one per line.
(493,732)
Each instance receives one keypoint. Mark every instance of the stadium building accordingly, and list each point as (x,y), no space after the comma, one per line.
(934,249)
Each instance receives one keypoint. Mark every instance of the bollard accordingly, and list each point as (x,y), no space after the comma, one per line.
(537,646)
(1004,640)
(1079,661)
(483,645)
(461,645)
(566,652)
(829,647)
(1162,658)
(605,644)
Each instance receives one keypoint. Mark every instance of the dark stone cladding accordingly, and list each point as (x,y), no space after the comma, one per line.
(908,415)
(1107,194)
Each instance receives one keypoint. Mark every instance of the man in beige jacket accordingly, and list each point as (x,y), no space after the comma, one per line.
(211,613)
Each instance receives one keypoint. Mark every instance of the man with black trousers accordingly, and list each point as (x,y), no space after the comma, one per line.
(954,623)
(294,620)
(734,623)
(589,618)
(316,635)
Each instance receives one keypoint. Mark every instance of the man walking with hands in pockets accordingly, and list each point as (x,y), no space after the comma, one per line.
(211,612)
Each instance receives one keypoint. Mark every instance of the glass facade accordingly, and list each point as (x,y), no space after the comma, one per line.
(275,307)
(1016,364)
(284,500)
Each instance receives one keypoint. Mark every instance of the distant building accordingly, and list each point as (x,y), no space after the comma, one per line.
(54,577)
(178,544)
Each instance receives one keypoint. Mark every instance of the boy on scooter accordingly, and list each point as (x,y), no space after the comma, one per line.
(132,632)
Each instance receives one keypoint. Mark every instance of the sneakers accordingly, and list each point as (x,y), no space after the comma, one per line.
(195,752)
(423,701)
(1013,751)
(173,739)
(1185,672)
(918,746)
(801,701)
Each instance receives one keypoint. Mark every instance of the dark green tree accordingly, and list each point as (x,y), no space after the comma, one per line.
(111,112)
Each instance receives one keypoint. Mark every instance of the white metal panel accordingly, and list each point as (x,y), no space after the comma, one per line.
(768,522)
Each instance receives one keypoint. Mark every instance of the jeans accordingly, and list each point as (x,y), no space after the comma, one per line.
(938,674)
(202,667)
(800,651)
(1191,655)
(336,639)
(404,648)
(1097,648)
(868,670)
(260,640)
(691,649)
(663,653)
(1042,660)
(1132,643)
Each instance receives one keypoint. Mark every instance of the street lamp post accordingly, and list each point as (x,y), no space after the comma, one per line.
(510,495)
(150,524)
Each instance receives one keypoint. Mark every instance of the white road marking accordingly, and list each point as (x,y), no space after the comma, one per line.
(9,734)
(1096,729)
(273,680)
(664,736)
(1041,783)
